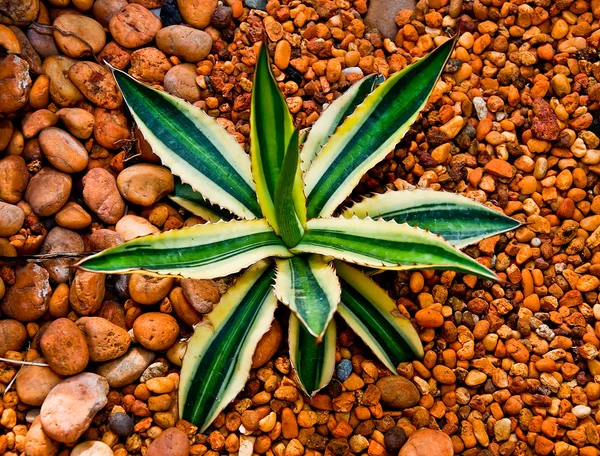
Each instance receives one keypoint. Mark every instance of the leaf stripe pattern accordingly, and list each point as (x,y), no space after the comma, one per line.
(310,288)
(371,132)
(219,354)
(193,145)
(313,362)
(385,245)
(373,315)
(333,116)
(200,252)
(459,220)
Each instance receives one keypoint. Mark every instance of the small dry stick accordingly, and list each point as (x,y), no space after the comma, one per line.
(23,363)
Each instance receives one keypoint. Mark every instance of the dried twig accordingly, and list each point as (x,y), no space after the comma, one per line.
(23,363)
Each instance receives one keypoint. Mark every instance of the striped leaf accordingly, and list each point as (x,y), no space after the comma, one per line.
(313,361)
(199,252)
(271,128)
(192,201)
(371,132)
(310,288)
(374,317)
(219,354)
(290,203)
(333,116)
(385,245)
(459,220)
(193,145)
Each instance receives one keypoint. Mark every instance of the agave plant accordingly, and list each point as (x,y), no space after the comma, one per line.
(280,203)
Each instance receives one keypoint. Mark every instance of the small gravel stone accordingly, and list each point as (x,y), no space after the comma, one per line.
(344,369)
(121,424)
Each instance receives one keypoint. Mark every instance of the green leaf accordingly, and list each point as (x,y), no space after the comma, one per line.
(219,354)
(459,220)
(313,361)
(374,317)
(199,252)
(192,201)
(333,116)
(385,245)
(290,202)
(310,288)
(193,145)
(371,132)
(271,128)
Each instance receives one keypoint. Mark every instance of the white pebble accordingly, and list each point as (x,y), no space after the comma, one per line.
(581,411)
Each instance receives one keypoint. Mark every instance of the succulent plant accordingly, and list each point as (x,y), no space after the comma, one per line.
(287,228)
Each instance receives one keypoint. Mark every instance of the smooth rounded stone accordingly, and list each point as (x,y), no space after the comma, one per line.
(134,26)
(581,411)
(149,65)
(19,12)
(222,17)
(71,406)
(35,122)
(145,289)
(268,345)
(502,429)
(428,442)
(121,424)
(92,448)
(11,219)
(15,83)
(34,383)
(145,184)
(104,239)
(126,369)
(12,336)
(394,439)
(202,294)
(87,292)
(64,347)
(113,312)
(62,91)
(14,177)
(102,196)
(156,330)
(189,44)
(111,128)
(97,84)
(475,378)
(343,370)
(105,340)
(183,309)
(37,443)
(63,150)
(27,51)
(116,56)
(73,217)
(172,441)
(197,13)
(398,392)
(104,10)
(60,240)
(42,41)
(79,122)
(81,26)
(28,299)
(180,81)
(48,191)
(132,226)
(9,40)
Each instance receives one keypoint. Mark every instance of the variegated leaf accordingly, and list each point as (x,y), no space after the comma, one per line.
(193,145)
(219,354)
(192,201)
(371,132)
(374,317)
(313,360)
(459,220)
(271,128)
(199,252)
(385,245)
(310,288)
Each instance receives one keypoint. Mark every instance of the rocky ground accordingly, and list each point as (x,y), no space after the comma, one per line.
(509,368)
